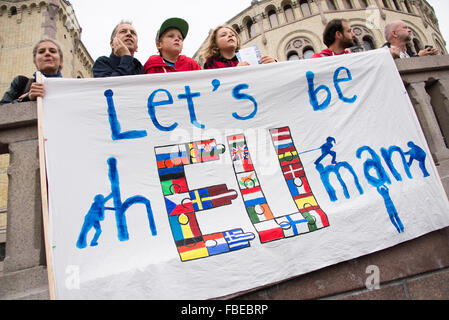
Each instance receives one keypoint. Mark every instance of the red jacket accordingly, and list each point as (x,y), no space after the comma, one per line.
(156,64)
(328,53)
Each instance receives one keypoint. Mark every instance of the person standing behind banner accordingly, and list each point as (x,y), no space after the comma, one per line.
(169,42)
(398,34)
(221,48)
(121,62)
(338,38)
(47,57)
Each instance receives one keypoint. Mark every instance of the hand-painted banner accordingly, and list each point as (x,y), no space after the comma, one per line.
(201,184)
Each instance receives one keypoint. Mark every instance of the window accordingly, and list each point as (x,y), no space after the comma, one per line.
(364,38)
(299,48)
(251,28)
(305,9)
(292,56)
(368,44)
(13,11)
(289,13)
(408,7)
(331,5)
(439,47)
(273,19)
(396,5)
(417,45)
(308,53)
(363,3)
(348,4)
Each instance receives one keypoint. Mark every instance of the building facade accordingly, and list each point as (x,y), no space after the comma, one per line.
(22,24)
(292,29)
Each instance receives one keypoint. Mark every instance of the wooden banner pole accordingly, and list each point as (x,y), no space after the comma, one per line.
(44,194)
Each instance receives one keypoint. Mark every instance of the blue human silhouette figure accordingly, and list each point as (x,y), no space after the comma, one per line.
(92,220)
(97,209)
(418,154)
(391,209)
(326,150)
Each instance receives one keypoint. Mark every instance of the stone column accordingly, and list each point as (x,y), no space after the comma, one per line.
(24,245)
(441,97)
(381,10)
(51,18)
(320,9)
(428,121)
(419,4)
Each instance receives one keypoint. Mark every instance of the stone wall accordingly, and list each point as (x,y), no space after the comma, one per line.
(417,269)
(296,30)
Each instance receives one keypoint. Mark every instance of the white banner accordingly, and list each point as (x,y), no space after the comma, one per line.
(197,185)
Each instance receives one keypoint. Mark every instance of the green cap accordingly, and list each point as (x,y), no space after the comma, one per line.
(176,23)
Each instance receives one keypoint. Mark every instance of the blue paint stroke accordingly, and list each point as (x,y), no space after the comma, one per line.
(387,154)
(376,164)
(216,84)
(418,154)
(115,125)
(243,96)
(189,97)
(96,212)
(313,93)
(152,110)
(326,150)
(391,209)
(337,80)
(325,173)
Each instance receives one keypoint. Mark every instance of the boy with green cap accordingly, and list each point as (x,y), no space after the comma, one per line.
(169,41)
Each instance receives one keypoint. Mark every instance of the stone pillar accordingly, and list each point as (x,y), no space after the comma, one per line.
(419,4)
(320,9)
(439,93)
(381,10)
(24,245)
(428,121)
(51,18)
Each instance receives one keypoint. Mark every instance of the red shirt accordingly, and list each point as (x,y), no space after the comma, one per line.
(156,64)
(328,53)
(221,62)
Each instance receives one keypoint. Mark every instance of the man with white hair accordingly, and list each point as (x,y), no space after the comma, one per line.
(121,62)
(398,34)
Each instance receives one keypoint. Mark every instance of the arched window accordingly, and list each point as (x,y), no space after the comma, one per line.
(331,5)
(363,3)
(13,11)
(408,7)
(368,43)
(251,28)
(272,16)
(396,5)
(440,47)
(348,4)
(299,48)
(363,38)
(308,52)
(292,56)
(289,13)
(236,28)
(305,9)
(417,45)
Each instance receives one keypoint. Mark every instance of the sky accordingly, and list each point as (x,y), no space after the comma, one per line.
(99,17)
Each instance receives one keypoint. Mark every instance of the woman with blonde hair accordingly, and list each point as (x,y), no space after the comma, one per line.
(47,57)
(221,48)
